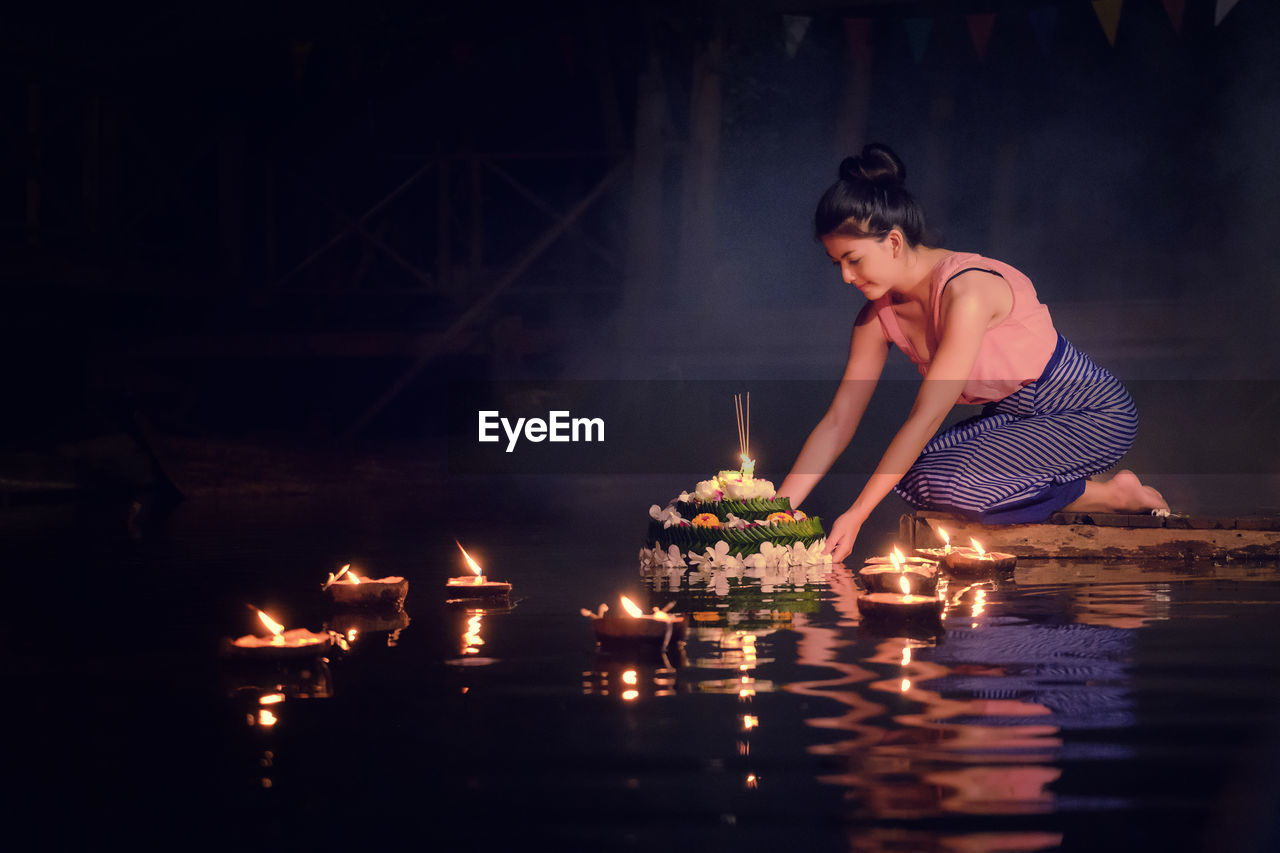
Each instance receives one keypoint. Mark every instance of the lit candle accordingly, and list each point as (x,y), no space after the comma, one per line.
(635,627)
(937,552)
(918,563)
(901,605)
(748,466)
(977,559)
(294,642)
(919,574)
(475,585)
(347,589)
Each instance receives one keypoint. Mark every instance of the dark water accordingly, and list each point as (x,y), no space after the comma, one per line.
(1063,707)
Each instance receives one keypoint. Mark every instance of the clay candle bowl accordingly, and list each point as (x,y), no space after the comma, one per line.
(347,589)
(633,627)
(882,578)
(977,560)
(896,573)
(280,644)
(475,585)
(899,606)
(919,564)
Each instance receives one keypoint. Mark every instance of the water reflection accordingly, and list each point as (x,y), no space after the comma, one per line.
(963,717)
(468,625)
(631,679)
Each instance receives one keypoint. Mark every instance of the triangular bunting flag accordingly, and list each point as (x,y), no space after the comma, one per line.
(980,27)
(1108,12)
(1175,8)
(857,31)
(793,29)
(1223,7)
(1044,21)
(918,35)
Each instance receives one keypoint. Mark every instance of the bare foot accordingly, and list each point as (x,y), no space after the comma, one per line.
(1122,493)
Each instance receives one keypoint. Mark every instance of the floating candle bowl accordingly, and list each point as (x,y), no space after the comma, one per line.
(898,574)
(900,606)
(977,560)
(475,585)
(881,578)
(897,606)
(347,589)
(633,626)
(279,644)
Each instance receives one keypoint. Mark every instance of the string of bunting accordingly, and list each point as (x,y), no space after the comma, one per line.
(1043,20)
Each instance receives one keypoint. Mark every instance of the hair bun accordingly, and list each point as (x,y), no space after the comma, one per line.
(876,165)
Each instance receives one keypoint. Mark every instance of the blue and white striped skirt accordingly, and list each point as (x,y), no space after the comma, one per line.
(1027,456)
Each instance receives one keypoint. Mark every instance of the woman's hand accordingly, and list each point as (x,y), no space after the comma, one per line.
(844,532)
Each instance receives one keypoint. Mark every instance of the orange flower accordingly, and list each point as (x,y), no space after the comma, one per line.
(780,517)
(706,519)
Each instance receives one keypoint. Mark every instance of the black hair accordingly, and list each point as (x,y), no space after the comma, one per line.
(869,199)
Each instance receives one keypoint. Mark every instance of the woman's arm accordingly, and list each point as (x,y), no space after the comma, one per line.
(971,302)
(868,350)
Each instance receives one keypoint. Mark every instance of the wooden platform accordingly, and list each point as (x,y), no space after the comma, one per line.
(1094,536)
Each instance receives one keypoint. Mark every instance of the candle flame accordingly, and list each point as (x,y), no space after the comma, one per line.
(897,552)
(977,547)
(946,537)
(629,606)
(475,567)
(271,699)
(354,578)
(629,677)
(906,655)
(905,584)
(895,560)
(275,627)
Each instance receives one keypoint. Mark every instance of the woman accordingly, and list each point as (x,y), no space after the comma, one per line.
(976,331)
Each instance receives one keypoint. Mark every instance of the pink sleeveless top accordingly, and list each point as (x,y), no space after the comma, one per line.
(1013,353)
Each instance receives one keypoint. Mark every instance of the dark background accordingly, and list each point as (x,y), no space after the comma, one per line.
(249,247)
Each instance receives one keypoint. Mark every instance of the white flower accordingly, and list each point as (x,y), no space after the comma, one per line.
(702,562)
(672,558)
(707,491)
(772,554)
(668,516)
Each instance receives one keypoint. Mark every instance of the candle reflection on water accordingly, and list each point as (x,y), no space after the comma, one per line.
(631,680)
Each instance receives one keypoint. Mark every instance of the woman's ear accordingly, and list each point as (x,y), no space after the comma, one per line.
(896,241)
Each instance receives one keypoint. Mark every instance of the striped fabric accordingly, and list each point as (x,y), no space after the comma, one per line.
(1027,456)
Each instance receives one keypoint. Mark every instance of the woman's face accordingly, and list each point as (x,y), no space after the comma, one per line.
(868,263)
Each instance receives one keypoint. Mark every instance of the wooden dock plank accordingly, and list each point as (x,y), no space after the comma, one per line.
(1081,536)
